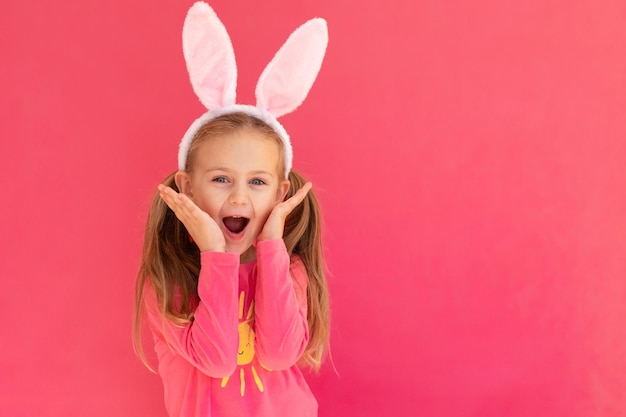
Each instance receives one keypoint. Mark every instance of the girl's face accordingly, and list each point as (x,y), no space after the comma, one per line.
(235,179)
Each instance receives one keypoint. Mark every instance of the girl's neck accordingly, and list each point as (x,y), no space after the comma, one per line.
(248,256)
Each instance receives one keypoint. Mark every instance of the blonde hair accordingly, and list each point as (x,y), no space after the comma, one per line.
(170,261)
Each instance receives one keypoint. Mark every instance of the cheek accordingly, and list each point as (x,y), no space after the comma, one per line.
(265,205)
(209,201)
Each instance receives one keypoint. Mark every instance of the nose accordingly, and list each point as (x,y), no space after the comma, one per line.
(238,196)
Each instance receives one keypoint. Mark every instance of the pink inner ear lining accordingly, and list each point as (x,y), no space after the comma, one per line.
(288,78)
(209,56)
(278,102)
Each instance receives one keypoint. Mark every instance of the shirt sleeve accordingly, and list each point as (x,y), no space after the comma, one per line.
(209,342)
(281,326)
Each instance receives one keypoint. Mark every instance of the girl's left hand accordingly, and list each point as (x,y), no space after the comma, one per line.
(275,223)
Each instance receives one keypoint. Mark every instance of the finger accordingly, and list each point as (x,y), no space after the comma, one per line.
(300,194)
(290,204)
(181,205)
(167,194)
(170,197)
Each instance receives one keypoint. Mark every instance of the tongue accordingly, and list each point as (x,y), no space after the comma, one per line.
(235,224)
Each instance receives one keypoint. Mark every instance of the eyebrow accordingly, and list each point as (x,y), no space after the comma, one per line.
(260,171)
(257,172)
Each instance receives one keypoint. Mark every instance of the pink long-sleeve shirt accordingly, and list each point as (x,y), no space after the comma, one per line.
(238,356)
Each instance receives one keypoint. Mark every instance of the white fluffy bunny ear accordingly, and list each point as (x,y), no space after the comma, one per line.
(210,57)
(287,79)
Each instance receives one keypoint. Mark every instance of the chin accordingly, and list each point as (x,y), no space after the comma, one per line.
(240,247)
(242,242)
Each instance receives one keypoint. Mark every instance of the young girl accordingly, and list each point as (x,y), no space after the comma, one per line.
(231,282)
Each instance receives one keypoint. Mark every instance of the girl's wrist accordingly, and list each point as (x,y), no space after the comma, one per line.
(270,245)
(212,248)
(265,235)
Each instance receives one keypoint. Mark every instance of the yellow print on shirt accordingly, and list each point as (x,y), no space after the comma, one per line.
(245,353)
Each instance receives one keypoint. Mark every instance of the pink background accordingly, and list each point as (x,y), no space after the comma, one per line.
(469,157)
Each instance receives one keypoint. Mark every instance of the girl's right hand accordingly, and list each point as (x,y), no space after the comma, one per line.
(202,228)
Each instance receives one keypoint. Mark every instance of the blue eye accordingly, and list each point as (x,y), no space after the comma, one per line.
(220,179)
(257,181)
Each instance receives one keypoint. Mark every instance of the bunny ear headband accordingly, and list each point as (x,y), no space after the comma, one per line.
(282,87)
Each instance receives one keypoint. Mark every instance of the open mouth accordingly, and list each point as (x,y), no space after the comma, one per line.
(235,224)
